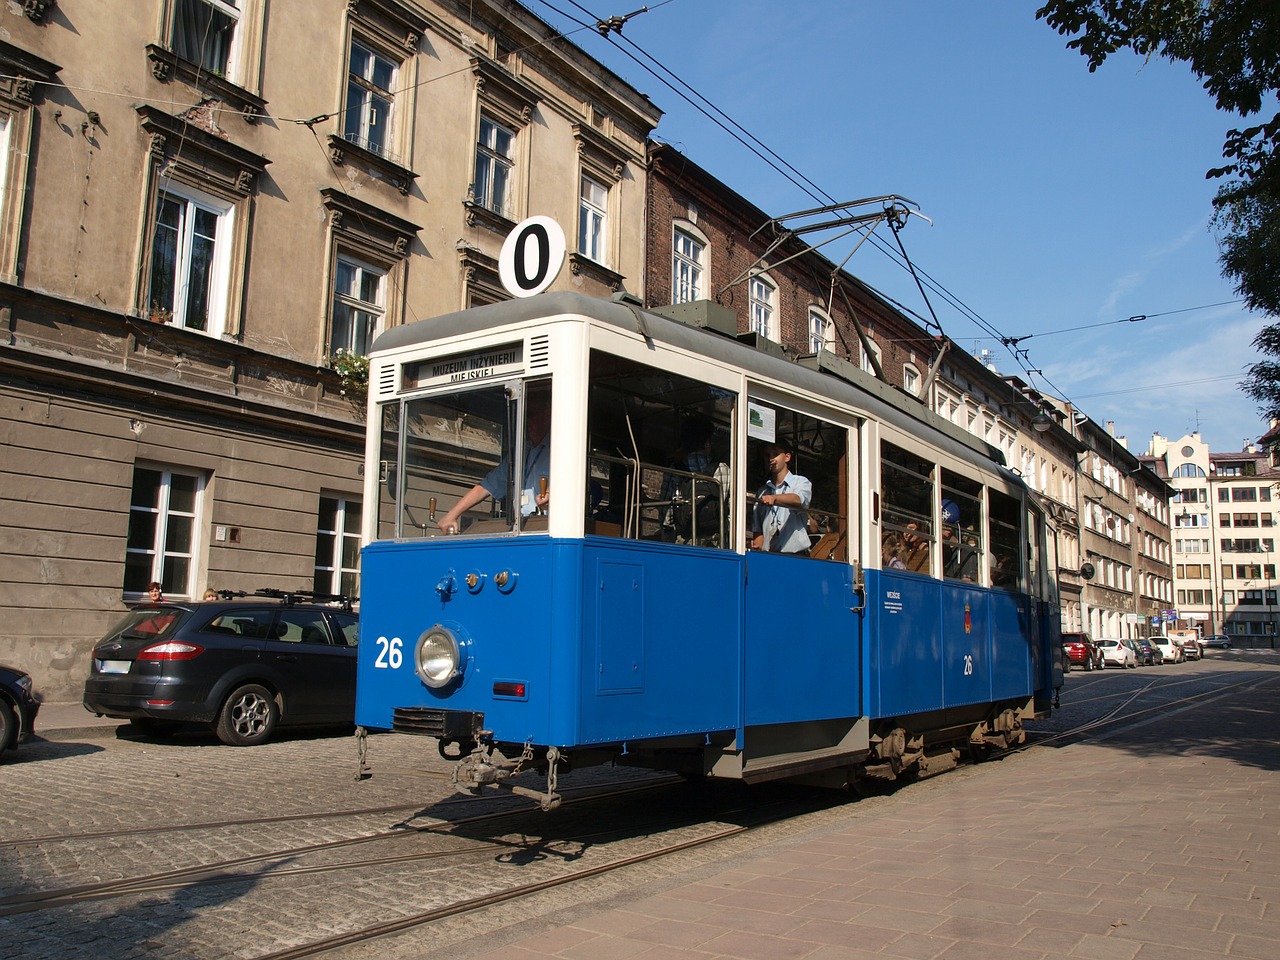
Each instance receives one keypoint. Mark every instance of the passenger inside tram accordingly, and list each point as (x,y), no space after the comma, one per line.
(535,497)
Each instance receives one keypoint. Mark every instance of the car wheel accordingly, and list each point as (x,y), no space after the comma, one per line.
(151,727)
(248,717)
(8,727)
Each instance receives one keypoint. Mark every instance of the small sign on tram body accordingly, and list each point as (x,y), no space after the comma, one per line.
(531,257)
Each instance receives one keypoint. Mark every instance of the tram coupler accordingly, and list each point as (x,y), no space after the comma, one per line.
(485,766)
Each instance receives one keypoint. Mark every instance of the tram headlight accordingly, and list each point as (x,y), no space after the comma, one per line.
(438,657)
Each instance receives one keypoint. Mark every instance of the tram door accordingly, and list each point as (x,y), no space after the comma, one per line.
(802,618)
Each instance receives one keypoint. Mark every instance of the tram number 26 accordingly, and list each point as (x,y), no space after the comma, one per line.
(390,653)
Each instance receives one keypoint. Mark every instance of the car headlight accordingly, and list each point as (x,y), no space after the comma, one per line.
(438,657)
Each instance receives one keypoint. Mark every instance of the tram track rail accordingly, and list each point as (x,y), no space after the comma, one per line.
(760,819)
(1255,676)
(223,871)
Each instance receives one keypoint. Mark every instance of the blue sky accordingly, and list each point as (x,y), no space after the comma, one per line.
(1060,199)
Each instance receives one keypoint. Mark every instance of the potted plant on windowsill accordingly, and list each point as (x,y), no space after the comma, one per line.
(353,375)
(159,314)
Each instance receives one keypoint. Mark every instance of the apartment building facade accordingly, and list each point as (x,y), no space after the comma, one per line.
(1224,541)
(210,209)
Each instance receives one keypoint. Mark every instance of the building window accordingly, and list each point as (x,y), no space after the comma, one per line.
(357,305)
(204,33)
(820,328)
(868,360)
(338,546)
(762,307)
(686,275)
(370,81)
(593,216)
(189,261)
(911,383)
(494,163)
(163,520)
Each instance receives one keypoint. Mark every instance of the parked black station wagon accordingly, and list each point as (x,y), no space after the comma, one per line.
(244,664)
(18,708)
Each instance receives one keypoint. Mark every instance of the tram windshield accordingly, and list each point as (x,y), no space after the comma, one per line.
(470,462)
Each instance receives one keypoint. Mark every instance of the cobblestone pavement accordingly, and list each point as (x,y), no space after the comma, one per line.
(1160,842)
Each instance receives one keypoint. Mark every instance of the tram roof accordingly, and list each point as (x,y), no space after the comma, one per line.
(818,374)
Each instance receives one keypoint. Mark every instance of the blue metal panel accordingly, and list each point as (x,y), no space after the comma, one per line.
(662,654)
(519,632)
(967,663)
(803,642)
(908,646)
(1016,640)
(620,627)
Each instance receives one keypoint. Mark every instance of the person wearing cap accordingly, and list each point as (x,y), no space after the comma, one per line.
(958,561)
(780,519)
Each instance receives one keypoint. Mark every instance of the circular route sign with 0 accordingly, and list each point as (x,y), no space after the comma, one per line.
(531,257)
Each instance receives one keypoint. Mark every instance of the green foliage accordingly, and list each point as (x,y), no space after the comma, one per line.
(1233,48)
(353,372)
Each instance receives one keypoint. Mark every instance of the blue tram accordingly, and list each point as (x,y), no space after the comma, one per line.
(565,502)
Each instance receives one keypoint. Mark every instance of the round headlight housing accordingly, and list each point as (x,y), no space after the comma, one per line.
(438,657)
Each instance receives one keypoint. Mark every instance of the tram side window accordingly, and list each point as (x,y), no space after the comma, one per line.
(1004,533)
(455,473)
(906,483)
(659,455)
(960,528)
(792,452)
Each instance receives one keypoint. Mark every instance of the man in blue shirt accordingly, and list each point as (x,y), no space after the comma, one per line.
(535,496)
(780,522)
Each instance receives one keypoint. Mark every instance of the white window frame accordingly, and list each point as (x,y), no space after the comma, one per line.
(220,264)
(821,330)
(688,256)
(347,508)
(911,379)
(230,66)
(351,299)
(363,111)
(499,166)
(593,219)
(762,309)
(159,550)
(865,356)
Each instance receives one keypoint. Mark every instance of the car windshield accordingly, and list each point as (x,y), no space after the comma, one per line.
(145,622)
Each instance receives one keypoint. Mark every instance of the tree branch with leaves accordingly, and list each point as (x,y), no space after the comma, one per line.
(1233,48)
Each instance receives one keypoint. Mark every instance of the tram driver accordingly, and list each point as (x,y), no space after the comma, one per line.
(536,496)
(780,522)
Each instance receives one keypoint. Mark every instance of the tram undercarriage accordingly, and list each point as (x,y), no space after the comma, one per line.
(842,754)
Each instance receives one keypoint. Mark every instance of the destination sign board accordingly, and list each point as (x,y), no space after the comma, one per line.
(488,364)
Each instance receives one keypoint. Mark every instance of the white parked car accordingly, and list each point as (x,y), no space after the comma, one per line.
(1171,649)
(1117,653)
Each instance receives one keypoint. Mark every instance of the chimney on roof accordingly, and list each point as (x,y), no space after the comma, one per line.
(1111,428)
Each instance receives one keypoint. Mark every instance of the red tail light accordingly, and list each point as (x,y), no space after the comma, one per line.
(170,650)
